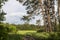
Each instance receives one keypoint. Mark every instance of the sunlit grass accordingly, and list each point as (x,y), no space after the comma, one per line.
(25,31)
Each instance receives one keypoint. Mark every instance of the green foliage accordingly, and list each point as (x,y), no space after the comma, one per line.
(2,18)
(12,28)
(45,36)
(3,32)
(41,30)
(15,37)
(27,27)
(36,36)
(1,10)
(5,29)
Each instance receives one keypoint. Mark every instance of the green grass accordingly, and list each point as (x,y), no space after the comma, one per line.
(23,32)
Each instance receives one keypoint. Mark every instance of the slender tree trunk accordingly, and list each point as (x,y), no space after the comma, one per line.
(43,13)
(49,27)
(58,14)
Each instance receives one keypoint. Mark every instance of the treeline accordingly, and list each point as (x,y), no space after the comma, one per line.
(38,28)
(12,27)
(28,27)
(23,26)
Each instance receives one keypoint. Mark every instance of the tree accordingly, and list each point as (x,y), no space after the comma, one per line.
(26,19)
(1,11)
(46,7)
(33,7)
(3,29)
(59,12)
(49,14)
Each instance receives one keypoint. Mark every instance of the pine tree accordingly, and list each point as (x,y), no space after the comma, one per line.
(34,7)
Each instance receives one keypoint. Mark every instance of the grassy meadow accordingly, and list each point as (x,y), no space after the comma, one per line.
(22,32)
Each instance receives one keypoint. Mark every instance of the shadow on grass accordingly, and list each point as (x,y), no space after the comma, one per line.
(19,37)
(15,37)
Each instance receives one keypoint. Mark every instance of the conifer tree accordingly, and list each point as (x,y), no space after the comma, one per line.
(46,7)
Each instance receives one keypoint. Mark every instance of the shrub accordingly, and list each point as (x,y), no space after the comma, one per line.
(41,30)
(12,28)
(46,36)
(3,32)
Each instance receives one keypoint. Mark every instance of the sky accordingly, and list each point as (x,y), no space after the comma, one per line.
(15,11)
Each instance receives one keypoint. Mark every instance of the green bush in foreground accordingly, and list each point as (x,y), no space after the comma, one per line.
(3,32)
(36,36)
(45,36)
(12,28)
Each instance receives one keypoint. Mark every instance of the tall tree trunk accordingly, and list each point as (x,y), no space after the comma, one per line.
(47,16)
(59,13)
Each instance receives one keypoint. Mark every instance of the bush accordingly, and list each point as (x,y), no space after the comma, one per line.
(46,36)
(12,28)
(41,30)
(3,32)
